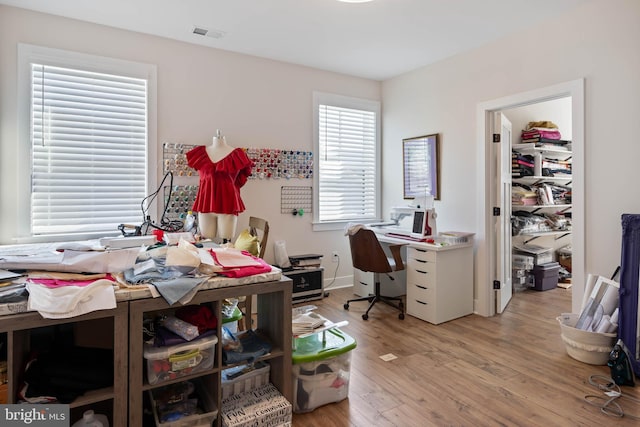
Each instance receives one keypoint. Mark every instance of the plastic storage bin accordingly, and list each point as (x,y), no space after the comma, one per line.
(168,363)
(545,276)
(231,323)
(234,381)
(321,369)
(208,412)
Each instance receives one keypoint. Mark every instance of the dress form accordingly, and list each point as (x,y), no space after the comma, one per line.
(214,224)
(219,149)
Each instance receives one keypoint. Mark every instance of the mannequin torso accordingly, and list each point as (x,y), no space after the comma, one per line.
(219,149)
(223,170)
(214,224)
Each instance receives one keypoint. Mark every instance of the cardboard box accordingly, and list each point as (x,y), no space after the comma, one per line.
(264,406)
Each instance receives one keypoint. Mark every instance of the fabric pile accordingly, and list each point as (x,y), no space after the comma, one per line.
(543,133)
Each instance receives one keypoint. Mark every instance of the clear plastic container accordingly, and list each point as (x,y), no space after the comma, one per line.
(168,363)
(321,372)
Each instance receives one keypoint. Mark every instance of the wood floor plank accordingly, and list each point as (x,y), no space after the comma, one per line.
(507,370)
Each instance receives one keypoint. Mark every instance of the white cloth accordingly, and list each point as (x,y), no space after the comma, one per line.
(352,229)
(70,301)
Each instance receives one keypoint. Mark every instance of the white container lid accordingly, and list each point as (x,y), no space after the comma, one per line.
(155,353)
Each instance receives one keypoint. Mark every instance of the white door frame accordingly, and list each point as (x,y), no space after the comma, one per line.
(484,303)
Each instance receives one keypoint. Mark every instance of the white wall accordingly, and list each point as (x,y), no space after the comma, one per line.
(255,102)
(598,42)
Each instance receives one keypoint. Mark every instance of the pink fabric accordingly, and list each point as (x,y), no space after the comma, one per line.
(220,182)
(232,258)
(549,134)
(57,283)
(263,267)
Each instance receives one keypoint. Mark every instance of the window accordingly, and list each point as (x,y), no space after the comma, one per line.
(87,135)
(347,178)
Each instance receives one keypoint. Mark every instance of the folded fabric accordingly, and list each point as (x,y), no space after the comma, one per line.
(60,282)
(199,315)
(185,254)
(71,301)
(232,258)
(261,268)
(174,289)
(252,347)
(165,337)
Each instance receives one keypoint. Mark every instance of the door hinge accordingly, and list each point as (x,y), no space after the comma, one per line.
(496,137)
(496,284)
(496,211)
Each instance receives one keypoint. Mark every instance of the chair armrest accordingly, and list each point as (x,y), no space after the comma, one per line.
(397,257)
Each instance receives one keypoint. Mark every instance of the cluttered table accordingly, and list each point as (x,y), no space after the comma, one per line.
(83,283)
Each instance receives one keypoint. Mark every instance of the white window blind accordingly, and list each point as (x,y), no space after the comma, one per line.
(347,164)
(89,150)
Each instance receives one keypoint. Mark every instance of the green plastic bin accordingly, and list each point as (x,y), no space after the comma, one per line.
(231,323)
(321,369)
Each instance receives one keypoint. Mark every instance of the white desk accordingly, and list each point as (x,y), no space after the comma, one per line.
(438,279)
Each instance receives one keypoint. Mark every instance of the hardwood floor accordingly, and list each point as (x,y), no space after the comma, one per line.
(507,370)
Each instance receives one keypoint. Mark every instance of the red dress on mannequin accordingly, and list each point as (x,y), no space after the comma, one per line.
(220,182)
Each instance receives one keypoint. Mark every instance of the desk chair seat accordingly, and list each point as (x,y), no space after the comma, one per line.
(367,255)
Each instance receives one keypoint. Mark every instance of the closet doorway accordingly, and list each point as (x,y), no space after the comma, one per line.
(494,285)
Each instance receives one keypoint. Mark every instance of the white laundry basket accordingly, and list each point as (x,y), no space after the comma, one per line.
(588,347)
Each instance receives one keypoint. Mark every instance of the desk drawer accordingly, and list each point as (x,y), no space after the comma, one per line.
(418,307)
(421,274)
(421,291)
(421,254)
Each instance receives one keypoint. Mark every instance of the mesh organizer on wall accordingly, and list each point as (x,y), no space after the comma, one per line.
(295,199)
(174,157)
(180,200)
(276,163)
(269,163)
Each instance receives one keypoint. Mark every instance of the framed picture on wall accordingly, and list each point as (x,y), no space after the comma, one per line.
(421,166)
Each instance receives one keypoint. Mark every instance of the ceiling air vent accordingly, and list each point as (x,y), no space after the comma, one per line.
(215,34)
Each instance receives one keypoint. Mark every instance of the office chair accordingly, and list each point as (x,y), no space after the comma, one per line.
(367,255)
(258,227)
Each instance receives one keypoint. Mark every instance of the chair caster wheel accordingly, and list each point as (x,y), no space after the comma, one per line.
(365,316)
(401,316)
(346,306)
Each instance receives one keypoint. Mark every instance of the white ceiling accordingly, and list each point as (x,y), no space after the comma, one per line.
(375,40)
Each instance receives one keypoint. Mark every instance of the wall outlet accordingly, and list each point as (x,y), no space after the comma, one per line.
(335,257)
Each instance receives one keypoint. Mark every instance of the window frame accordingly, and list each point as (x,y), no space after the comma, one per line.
(322,98)
(28,54)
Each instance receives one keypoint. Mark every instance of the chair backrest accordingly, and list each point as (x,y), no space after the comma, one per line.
(367,253)
(256,224)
